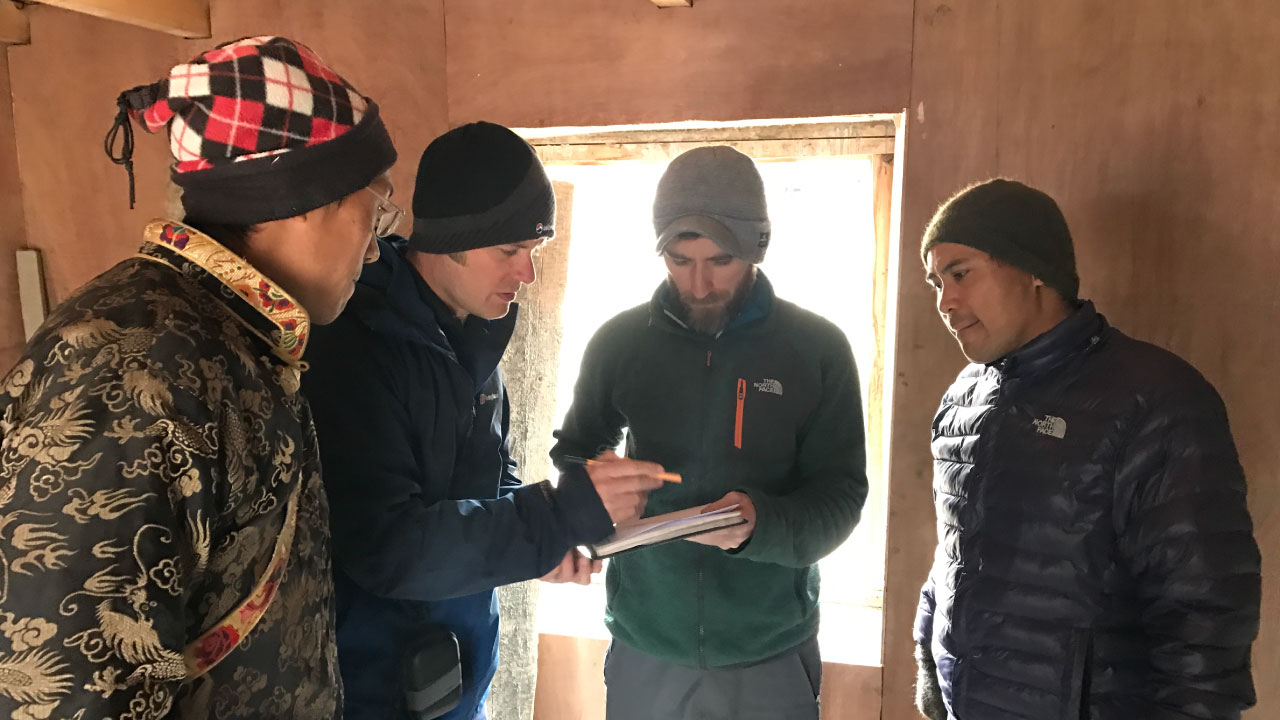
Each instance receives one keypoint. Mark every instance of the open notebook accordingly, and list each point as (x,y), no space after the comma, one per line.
(632,534)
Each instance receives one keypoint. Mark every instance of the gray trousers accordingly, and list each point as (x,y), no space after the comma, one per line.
(783,687)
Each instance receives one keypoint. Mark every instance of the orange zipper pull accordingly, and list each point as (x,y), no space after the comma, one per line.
(737,423)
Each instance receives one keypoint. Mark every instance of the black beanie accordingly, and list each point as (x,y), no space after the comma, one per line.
(1013,223)
(480,185)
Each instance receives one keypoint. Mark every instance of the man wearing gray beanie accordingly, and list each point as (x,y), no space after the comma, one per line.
(756,403)
(1096,556)
(428,512)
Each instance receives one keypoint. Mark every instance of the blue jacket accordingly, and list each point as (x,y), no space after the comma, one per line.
(428,516)
(1096,557)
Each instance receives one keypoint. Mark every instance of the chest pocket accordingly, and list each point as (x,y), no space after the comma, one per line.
(1075,448)
(479,464)
(765,416)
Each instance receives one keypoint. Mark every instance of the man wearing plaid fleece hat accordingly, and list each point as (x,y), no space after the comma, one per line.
(163,526)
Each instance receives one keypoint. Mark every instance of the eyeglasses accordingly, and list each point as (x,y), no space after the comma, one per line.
(386,216)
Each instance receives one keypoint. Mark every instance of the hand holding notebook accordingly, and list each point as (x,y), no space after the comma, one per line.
(734,536)
(574,568)
(643,532)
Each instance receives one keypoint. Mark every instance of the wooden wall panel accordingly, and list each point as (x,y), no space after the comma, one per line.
(951,135)
(571,683)
(12,227)
(64,87)
(539,63)
(1153,123)
(850,692)
(76,200)
(570,678)
(391,50)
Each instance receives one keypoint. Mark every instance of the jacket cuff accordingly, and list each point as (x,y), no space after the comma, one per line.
(757,545)
(580,506)
(928,690)
(922,633)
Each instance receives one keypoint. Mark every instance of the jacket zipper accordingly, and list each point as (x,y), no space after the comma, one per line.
(967,548)
(702,630)
(737,417)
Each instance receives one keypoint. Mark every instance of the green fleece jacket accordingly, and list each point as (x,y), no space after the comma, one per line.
(770,407)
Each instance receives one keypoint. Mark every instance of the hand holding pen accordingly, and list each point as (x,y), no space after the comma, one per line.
(622,484)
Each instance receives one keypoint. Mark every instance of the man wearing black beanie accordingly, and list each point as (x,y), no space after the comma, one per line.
(428,514)
(1096,556)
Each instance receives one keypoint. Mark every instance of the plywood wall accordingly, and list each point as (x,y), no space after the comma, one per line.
(545,63)
(1154,123)
(12,228)
(65,85)
(571,687)
(67,79)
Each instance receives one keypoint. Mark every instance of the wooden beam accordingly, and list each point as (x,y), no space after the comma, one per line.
(673,3)
(876,126)
(758,149)
(14,27)
(872,136)
(31,293)
(184,18)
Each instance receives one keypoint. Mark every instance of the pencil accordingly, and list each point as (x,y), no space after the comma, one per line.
(663,476)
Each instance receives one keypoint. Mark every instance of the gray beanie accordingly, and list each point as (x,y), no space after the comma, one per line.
(717,193)
(1014,224)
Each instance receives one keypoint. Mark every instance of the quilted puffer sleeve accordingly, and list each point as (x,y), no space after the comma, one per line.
(1187,539)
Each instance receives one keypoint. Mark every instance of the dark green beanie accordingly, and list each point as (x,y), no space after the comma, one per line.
(1014,224)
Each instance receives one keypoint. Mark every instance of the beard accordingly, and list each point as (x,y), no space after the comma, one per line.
(713,313)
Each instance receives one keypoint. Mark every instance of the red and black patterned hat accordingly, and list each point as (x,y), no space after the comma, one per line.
(260,129)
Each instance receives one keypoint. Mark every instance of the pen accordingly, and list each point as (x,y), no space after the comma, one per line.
(664,476)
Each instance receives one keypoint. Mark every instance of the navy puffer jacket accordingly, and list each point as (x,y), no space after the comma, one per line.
(1096,557)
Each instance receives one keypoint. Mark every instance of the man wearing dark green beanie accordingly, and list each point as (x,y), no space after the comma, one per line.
(1096,555)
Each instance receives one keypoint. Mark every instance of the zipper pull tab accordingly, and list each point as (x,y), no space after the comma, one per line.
(737,420)
(708,358)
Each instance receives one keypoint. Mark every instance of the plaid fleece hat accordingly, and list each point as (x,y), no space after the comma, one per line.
(1013,223)
(261,129)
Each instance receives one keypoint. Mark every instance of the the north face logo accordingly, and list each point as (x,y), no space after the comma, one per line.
(1052,426)
(770,386)
(488,398)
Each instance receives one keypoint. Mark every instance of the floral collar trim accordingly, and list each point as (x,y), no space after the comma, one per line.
(290,323)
